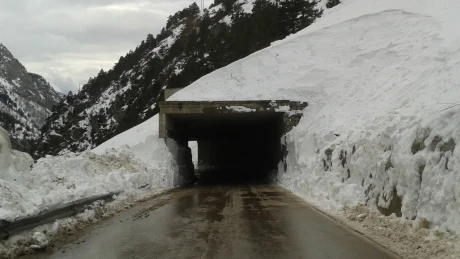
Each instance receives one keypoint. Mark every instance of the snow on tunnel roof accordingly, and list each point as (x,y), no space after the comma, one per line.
(342,46)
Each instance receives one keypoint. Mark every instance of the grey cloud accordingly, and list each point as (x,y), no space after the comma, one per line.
(68,41)
(64,83)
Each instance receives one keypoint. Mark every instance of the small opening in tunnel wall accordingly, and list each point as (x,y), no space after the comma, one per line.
(193,145)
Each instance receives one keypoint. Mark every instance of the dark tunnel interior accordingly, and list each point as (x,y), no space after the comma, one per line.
(237,147)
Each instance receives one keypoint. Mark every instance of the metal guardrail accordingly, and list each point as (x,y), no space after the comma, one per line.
(70,209)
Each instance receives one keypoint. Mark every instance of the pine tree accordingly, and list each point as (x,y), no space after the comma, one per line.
(264,25)
(332,3)
(295,15)
(227,4)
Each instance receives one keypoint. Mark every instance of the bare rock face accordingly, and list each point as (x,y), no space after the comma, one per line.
(26,100)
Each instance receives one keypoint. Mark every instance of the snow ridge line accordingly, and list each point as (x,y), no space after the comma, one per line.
(66,210)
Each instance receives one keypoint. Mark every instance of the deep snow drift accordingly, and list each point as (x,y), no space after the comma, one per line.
(377,76)
(135,162)
(139,166)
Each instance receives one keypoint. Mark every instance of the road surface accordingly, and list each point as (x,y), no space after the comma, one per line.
(220,221)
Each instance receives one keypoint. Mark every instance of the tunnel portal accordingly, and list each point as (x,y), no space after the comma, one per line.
(236,139)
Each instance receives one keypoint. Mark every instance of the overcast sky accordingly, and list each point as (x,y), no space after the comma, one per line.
(68,41)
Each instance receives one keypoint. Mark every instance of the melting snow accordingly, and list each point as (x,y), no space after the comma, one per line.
(240,109)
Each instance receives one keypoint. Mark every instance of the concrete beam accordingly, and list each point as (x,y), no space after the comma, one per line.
(179,107)
(291,110)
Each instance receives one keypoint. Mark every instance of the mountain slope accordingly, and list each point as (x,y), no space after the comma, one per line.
(26,100)
(193,44)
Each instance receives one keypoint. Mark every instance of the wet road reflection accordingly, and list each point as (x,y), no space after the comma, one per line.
(220,221)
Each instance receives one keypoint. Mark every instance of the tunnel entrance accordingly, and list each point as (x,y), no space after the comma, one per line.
(240,146)
(237,141)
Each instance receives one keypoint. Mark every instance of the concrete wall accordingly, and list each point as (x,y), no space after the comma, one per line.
(166,93)
(169,92)
(183,156)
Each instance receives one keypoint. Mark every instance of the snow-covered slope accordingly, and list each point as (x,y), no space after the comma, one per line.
(377,76)
(26,100)
(143,141)
(56,180)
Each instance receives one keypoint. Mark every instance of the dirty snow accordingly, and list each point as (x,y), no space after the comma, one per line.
(409,239)
(136,163)
(237,108)
(41,237)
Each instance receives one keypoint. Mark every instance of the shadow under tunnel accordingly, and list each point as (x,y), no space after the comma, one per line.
(232,148)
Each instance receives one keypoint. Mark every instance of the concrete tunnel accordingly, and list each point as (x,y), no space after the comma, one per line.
(237,140)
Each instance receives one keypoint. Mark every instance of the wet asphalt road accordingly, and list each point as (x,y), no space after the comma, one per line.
(219,221)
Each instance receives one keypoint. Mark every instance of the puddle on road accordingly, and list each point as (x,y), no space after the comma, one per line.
(218,222)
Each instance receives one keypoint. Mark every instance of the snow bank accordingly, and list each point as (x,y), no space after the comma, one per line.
(57,180)
(5,151)
(143,141)
(134,162)
(377,76)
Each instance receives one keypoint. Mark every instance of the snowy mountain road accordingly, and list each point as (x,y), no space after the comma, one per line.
(220,221)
